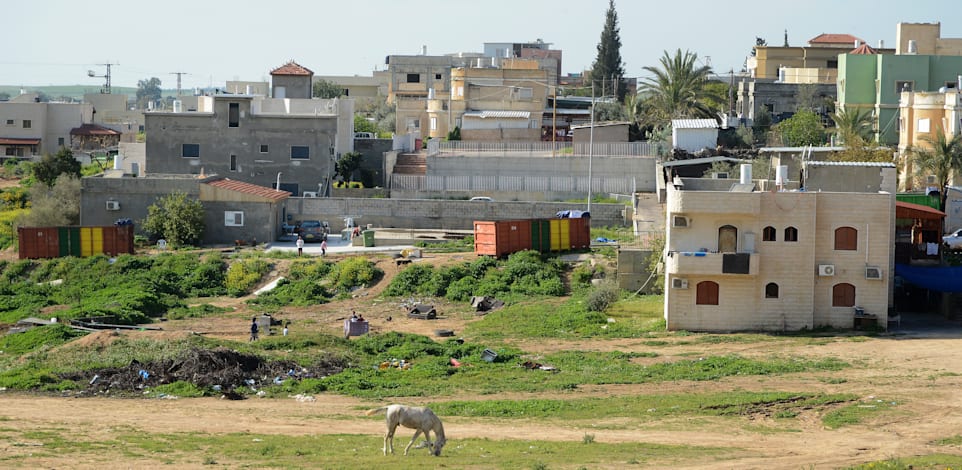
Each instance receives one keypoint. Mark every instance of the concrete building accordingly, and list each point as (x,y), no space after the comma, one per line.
(233,210)
(925,39)
(921,116)
(259,140)
(693,135)
(364,90)
(111,111)
(780,99)
(821,53)
(30,129)
(744,259)
(548,59)
(292,80)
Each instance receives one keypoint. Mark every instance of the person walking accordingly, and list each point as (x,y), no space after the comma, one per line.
(300,245)
(254,329)
(323,247)
(285,328)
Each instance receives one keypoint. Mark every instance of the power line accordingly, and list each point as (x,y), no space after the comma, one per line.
(179,74)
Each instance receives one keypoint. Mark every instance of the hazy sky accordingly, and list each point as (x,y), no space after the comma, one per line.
(55,42)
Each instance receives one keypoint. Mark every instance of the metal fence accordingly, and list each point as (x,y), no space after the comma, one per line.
(438,148)
(478,183)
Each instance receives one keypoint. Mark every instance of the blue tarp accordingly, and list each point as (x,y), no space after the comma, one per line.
(942,278)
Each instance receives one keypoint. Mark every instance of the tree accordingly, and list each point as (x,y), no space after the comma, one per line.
(361,124)
(175,218)
(455,134)
(347,164)
(148,91)
(804,128)
(327,89)
(53,205)
(52,166)
(806,98)
(679,89)
(762,125)
(853,124)
(608,67)
(942,159)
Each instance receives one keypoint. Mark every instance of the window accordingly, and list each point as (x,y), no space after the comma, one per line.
(233,219)
(951,85)
(27,124)
(843,295)
(923,125)
(9,122)
(460,91)
(346,92)
(14,152)
(768,234)
(707,293)
(190,151)
(832,64)
(727,239)
(414,78)
(233,163)
(300,152)
(263,148)
(771,290)
(233,115)
(414,123)
(791,234)
(437,76)
(524,93)
(434,124)
(904,85)
(846,238)
(60,141)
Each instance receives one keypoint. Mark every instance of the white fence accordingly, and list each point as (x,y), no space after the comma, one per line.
(438,148)
(513,183)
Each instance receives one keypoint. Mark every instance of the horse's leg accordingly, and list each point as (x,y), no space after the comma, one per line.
(389,440)
(416,434)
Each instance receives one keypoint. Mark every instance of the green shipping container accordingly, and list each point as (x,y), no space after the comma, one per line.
(69,241)
(540,235)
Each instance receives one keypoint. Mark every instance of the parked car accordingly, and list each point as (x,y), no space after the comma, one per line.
(313,230)
(953,240)
(482,198)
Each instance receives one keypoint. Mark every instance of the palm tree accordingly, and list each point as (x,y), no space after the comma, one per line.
(853,126)
(678,89)
(942,158)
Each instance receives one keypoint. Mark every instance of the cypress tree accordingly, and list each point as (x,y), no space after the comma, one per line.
(607,70)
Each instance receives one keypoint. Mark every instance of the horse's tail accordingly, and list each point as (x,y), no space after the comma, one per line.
(375,411)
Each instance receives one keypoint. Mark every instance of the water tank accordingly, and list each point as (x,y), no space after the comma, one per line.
(881,44)
(178,106)
(430,93)
(118,162)
(424,50)
(913,47)
(746,173)
(781,176)
(781,74)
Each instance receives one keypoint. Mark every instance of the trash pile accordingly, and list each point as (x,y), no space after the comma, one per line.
(219,369)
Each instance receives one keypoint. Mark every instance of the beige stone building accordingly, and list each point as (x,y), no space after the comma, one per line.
(921,116)
(816,62)
(779,260)
(925,39)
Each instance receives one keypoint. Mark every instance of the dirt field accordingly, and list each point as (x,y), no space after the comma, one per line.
(919,367)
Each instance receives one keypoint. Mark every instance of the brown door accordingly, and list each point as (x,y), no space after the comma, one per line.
(727,239)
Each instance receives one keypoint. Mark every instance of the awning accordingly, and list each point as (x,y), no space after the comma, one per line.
(14,141)
(498,114)
(907,210)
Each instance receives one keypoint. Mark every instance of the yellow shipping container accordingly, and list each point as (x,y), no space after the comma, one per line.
(555,228)
(91,241)
(565,234)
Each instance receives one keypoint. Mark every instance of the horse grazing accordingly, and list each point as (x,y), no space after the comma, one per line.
(421,419)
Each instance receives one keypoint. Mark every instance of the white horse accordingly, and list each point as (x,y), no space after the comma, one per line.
(421,419)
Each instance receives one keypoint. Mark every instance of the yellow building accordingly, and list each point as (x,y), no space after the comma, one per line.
(816,62)
(925,39)
(921,116)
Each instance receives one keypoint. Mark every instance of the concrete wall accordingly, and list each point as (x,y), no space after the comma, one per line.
(507,134)
(438,214)
(372,160)
(640,168)
(295,86)
(633,272)
(602,133)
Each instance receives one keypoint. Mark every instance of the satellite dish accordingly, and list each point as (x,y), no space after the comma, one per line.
(90,73)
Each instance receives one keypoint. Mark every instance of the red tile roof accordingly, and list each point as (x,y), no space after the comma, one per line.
(864,49)
(247,188)
(93,129)
(292,68)
(14,141)
(834,39)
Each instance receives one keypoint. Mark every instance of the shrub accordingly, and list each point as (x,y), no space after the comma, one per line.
(243,275)
(408,281)
(602,296)
(353,272)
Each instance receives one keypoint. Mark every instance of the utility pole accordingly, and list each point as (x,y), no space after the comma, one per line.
(106,88)
(179,74)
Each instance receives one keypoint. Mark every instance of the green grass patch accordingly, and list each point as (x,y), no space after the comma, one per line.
(35,338)
(465,244)
(196,311)
(856,413)
(955,440)
(925,462)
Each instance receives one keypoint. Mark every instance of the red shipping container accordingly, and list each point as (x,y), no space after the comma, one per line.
(503,237)
(39,242)
(580,233)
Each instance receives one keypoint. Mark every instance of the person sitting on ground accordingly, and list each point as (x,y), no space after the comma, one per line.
(360,318)
(353,315)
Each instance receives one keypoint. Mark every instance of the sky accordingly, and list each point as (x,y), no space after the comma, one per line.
(56,42)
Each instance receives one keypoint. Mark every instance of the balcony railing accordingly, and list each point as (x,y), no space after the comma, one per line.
(702,263)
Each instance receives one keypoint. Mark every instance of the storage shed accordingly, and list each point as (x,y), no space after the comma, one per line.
(693,135)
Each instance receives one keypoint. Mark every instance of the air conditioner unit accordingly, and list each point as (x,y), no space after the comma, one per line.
(680,221)
(826,270)
(113,205)
(679,283)
(721,175)
(873,272)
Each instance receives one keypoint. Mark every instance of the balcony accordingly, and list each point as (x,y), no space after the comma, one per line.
(689,263)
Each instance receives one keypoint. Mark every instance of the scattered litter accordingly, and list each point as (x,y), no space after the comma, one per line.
(423,312)
(485,304)
(261,393)
(489,355)
(143,374)
(95,379)
(304,398)
(443,333)
(394,364)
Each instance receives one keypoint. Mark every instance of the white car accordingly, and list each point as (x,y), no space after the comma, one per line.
(953,240)
(482,198)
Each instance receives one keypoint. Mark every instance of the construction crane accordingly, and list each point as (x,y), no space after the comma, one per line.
(179,75)
(106,89)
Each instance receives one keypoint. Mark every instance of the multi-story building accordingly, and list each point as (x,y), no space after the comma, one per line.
(30,129)
(292,141)
(780,260)
(921,116)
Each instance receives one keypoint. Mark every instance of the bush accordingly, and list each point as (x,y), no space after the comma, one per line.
(353,272)
(243,275)
(602,296)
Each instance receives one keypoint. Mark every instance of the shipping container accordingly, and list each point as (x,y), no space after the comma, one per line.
(502,237)
(580,233)
(54,242)
(541,235)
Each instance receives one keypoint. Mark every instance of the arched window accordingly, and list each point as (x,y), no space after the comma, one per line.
(846,238)
(843,295)
(768,234)
(727,239)
(707,293)
(791,234)
(771,290)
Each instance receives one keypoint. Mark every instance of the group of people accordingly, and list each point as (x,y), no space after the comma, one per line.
(255,328)
(300,246)
(355,317)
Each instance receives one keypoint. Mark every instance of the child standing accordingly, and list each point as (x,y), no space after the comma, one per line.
(254,329)
(300,245)
(323,247)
